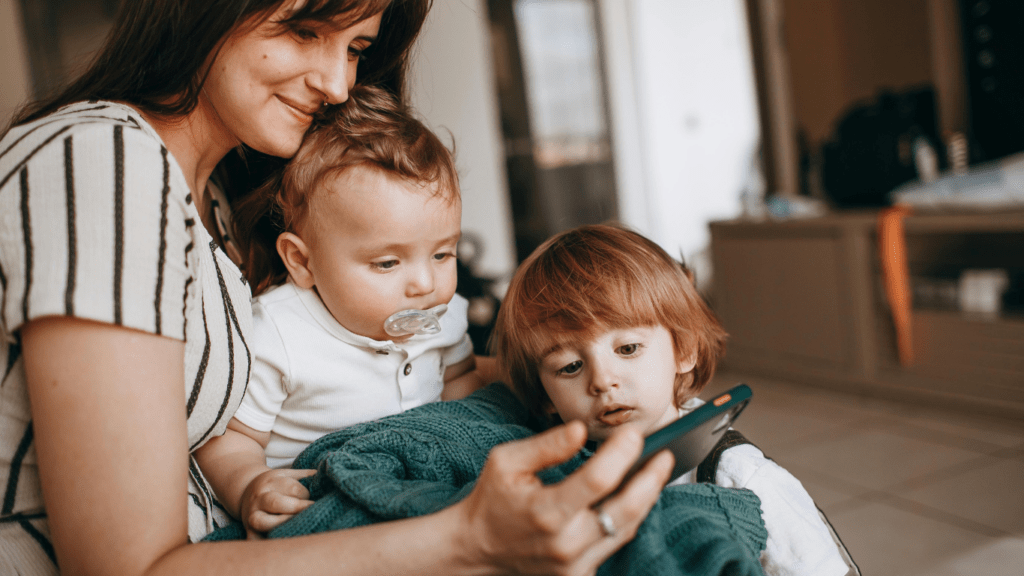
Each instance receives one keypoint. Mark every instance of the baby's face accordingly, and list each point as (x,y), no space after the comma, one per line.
(380,244)
(618,377)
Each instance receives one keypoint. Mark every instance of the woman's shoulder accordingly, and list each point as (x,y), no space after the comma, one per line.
(92,123)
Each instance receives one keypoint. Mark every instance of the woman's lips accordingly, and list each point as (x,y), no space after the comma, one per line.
(304,114)
(615,415)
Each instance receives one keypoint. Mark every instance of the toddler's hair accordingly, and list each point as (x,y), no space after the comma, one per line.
(595,278)
(371,129)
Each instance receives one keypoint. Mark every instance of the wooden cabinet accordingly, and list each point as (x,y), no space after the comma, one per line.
(804,300)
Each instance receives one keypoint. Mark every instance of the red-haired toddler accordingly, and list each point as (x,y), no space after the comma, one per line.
(601,325)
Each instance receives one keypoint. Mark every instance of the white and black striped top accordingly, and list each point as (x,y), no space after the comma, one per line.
(97,222)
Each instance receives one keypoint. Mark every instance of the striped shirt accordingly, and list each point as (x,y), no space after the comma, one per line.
(97,222)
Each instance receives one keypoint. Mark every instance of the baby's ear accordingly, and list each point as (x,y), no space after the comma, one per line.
(295,254)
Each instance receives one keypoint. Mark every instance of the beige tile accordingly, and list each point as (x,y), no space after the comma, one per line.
(998,558)
(886,541)
(827,495)
(991,494)
(876,459)
(1001,433)
(935,431)
(776,430)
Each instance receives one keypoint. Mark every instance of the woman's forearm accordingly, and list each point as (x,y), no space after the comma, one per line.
(427,545)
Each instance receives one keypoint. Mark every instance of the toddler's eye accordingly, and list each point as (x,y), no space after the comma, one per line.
(385,265)
(570,369)
(629,349)
(442,256)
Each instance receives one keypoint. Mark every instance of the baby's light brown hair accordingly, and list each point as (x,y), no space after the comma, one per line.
(371,129)
(592,279)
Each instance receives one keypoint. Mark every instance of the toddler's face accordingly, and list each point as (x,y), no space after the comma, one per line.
(619,377)
(379,244)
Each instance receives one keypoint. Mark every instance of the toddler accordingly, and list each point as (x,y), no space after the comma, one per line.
(355,314)
(601,325)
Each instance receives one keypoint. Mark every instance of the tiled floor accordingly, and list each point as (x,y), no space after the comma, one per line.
(911,491)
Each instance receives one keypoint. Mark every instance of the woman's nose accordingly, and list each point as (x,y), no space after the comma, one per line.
(332,74)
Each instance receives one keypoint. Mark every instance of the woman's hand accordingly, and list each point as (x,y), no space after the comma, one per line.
(516,524)
(271,498)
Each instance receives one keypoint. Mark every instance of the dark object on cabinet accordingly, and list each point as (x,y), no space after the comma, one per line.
(871,151)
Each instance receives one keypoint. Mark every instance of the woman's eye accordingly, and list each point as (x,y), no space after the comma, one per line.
(305,33)
(356,53)
(571,368)
(385,265)
(629,349)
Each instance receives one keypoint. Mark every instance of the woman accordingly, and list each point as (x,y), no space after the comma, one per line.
(116,289)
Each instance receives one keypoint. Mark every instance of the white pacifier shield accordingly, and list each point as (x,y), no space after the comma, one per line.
(406,322)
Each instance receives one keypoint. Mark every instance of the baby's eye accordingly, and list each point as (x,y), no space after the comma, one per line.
(629,349)
(385,265)
(571,368)
(442,256)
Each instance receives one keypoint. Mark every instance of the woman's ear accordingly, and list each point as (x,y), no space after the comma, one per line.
(295,254)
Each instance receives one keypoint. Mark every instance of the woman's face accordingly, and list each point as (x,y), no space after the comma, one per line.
(267,81)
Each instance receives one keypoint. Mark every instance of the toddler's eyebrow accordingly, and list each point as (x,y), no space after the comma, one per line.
(551,350)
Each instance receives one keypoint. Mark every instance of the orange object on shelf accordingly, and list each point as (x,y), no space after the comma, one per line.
(892,247)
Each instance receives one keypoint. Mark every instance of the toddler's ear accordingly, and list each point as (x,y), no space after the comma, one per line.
(295,254)
(686,363)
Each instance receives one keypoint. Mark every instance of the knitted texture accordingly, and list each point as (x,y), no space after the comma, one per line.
(428,458)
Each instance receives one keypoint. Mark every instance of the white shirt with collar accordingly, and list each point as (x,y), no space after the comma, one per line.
(799,542)
(312,376)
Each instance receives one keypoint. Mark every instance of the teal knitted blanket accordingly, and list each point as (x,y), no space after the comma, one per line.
(428,458)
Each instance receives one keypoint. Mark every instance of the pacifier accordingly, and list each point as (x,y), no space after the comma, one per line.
(406,322)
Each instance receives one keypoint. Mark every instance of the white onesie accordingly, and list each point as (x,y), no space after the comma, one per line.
(311,376)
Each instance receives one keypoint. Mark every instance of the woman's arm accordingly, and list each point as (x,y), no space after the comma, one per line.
(108,411)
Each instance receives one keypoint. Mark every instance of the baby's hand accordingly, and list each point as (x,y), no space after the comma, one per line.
(271,498)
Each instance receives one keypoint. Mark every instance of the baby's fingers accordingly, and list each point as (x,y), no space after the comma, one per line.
(278,509)
(281,503)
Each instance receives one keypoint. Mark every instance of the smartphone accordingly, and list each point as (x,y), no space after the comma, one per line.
(692,437)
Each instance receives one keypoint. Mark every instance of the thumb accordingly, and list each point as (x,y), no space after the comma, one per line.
(548,448)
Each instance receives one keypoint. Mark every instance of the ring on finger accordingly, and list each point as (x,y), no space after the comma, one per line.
(605,522)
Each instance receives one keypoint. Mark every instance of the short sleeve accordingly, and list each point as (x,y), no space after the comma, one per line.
(457,352)
(93,226)
(268,383)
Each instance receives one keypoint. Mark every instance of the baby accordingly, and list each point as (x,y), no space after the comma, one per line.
(601,325)
(355,314)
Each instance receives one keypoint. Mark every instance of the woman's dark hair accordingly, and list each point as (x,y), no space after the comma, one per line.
(373,129)
(157,54)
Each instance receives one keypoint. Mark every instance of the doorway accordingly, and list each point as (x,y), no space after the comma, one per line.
(549,71)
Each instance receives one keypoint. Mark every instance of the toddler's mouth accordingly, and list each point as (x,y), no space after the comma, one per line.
(615,415)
